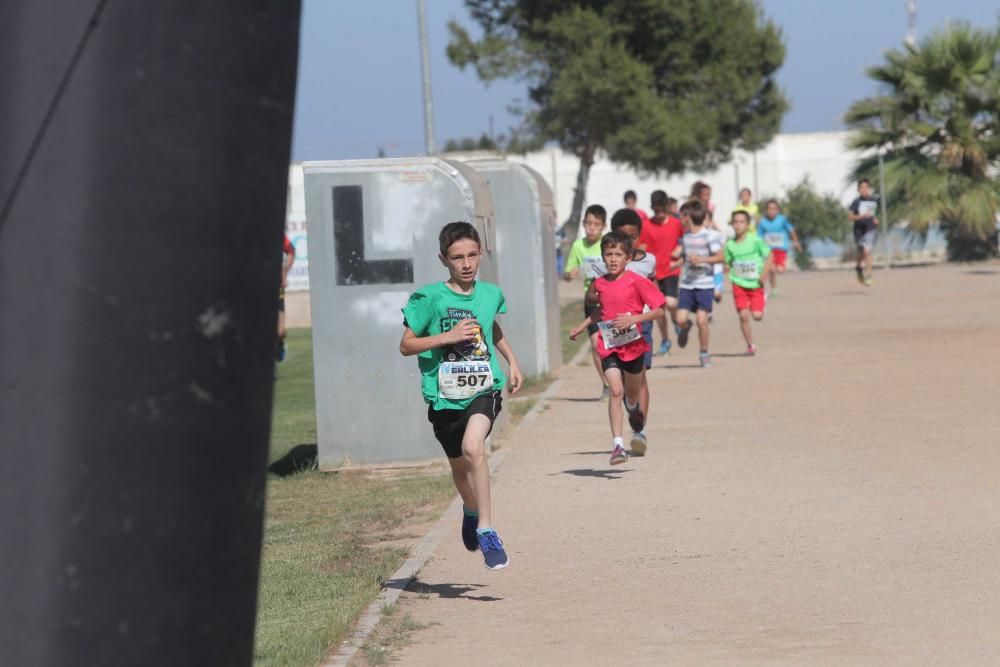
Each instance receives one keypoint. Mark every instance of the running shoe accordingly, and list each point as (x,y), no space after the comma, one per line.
(636,419)
(605,394)
(861,274)
(682,336)
(706,359)
(774,292)
(638,444)
(494,556)
(619,455)
(469,537)
(751,350)
(867,282)
(665,346)
(280,351)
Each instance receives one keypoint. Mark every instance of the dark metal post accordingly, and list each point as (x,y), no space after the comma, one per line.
(143,174)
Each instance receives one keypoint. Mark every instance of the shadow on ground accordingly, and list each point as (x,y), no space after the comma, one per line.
(299,458)
(450,591)
(592,472)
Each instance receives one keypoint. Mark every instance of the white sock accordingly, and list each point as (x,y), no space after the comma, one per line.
(618,442)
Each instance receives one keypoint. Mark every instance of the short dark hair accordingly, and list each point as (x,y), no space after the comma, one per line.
(629,194)
(671,200)
(612,239)
(658,198)
(695,210)
(746,190)
(863,180)
(741,212)
(625,216)
(698,187)
(597,211)
(456,231)
(772,201)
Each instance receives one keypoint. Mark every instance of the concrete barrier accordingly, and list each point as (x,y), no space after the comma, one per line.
(373,228)
(526,258)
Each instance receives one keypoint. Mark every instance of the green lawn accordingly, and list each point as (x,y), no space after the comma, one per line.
(325,552)
(569,316)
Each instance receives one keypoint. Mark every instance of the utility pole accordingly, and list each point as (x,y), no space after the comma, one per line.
(883,197)
(425,66)
(911,22)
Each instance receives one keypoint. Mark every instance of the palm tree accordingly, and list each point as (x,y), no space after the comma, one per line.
(937,123)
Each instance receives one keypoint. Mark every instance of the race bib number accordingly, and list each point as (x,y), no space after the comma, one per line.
(774,240)
(617,337)
(866,209)
(748,270)
(459,380)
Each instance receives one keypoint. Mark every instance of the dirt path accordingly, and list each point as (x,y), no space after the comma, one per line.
(835,500)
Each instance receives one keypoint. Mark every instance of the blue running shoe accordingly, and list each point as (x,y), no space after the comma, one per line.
(280,351)
(469,525)
(665,346)
(493,554)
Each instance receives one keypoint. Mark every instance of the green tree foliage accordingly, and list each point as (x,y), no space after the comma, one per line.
(817,217)
(483,143)
(937,121)
(660,85)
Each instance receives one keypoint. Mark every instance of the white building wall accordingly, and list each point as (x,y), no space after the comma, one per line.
(823,156)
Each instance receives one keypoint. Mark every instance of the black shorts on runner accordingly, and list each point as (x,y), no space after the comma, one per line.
(633,367)
(669,286)
(449,425)
(588,308)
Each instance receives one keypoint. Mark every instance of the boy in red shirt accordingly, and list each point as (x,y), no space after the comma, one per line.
(621,296)
(660,237)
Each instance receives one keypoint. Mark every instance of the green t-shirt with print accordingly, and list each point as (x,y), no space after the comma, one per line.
(454,375)
(583,253)
(745,260)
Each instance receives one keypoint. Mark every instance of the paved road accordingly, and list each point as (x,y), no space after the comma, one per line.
(835,500)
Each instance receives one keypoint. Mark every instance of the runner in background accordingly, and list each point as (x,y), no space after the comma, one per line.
(631,202)
(583,253)
(749,260)
(622,296)
(748,205)
(702,192)
(862,214)
(660,236)
(777,230)
(642,263)
(287,260)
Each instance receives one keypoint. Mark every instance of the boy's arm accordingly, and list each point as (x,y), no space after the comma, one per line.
(593,318)
(625,321)
(795,239)
(411,343)
(504,348)
(591,298)
(571,269)
(766,270)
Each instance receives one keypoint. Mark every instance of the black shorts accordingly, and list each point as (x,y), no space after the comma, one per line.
(633,367)
(449,425)
(587,310)
(669,286)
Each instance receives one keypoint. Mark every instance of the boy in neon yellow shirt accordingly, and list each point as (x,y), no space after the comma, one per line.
(583,254)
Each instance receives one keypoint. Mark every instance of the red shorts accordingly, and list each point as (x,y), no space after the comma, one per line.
(779,257)
(752,299)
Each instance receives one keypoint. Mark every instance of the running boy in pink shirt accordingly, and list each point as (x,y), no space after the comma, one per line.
(621,296)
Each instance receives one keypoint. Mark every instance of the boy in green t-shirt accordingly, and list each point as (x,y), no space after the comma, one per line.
(749,261)
(452,328)
(583,254)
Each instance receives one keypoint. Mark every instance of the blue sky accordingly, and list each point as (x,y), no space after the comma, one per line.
(359,85)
